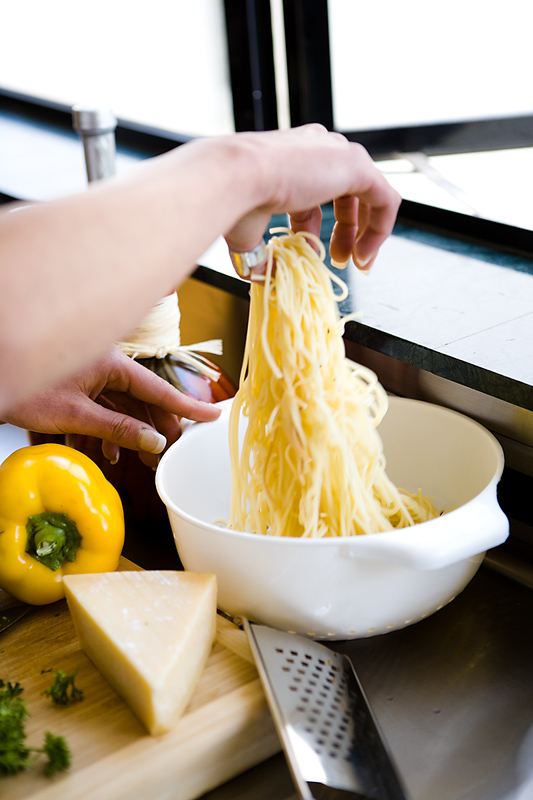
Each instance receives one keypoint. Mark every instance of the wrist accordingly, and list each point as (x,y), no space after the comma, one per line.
(243,172)
(249,177)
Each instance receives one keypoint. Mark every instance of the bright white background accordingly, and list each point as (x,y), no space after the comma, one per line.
(409,62)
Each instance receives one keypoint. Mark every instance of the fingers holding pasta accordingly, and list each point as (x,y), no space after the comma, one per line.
(308,221)
(304,168)
(365,217)
(375,226)
(344,234)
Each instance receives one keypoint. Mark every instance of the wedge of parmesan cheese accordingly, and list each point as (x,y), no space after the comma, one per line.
(148,633)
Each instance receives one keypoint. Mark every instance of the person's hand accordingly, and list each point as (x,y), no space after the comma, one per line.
(304,168)
(116,400)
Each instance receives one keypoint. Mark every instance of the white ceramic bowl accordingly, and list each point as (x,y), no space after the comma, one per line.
(345,588)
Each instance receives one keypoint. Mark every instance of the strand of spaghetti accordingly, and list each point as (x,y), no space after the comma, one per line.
(311,462)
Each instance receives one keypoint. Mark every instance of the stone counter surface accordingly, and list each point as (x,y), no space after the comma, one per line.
(454,314)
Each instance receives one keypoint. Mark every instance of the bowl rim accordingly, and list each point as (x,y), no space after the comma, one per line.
(288,541)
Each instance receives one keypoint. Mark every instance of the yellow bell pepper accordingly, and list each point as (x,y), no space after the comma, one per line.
(59,515)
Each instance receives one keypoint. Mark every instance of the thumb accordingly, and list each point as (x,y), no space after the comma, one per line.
(248,232)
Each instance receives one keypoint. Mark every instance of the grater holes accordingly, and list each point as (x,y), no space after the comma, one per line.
(319,685)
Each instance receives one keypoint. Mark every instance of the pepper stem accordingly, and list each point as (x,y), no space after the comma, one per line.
(52,539)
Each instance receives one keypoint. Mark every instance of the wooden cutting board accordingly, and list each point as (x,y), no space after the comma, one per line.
(226,729)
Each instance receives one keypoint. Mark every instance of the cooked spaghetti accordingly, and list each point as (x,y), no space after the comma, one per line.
(312,463)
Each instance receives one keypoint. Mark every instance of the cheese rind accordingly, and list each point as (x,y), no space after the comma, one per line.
(149,633)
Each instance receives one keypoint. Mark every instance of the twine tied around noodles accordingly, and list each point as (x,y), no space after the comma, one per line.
(158,335)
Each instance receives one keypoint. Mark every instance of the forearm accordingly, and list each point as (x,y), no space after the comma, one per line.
(79,273)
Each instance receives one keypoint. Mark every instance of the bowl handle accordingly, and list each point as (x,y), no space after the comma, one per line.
(439,543)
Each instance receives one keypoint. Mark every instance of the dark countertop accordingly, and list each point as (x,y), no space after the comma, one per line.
(464,313)
(453,696)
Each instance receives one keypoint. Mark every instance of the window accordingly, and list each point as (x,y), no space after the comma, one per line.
(162,64)
(397,64)
(433,78)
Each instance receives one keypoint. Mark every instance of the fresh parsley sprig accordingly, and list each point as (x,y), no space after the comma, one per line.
(15,755)
(63,691)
